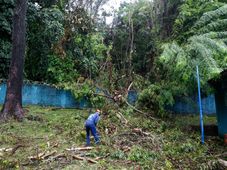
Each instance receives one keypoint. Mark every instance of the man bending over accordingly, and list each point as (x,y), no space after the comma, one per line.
(90,125)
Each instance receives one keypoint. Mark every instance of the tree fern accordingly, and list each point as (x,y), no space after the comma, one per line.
(216,45)
(216,35)
(206,47)
(211,16)
(218,25)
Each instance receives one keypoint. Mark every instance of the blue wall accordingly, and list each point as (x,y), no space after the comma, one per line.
(185,106)
(44,95)
(191,105)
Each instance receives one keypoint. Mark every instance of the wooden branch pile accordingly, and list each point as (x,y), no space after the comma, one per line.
(69,154)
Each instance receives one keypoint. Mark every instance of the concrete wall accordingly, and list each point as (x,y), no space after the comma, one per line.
(190,106)
(43,95)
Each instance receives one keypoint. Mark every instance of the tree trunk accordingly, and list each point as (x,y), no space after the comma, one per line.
(131,44)
(131,50)
(13,100)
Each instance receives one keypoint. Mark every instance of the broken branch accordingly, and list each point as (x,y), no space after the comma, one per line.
(80,149)
(42,156)
(77,157)
(139,110)
(62,155)
(102,157)
(120,115)
(16,148)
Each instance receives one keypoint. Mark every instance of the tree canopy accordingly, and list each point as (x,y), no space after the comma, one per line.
(154,44)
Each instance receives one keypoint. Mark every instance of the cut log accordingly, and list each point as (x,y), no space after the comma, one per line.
(91,161)
(80,149)
(78,157)
(42,156)
(62,155)
(48,154)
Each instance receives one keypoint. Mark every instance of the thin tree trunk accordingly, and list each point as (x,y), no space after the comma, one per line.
(110,75)
(131,41)
(131,51)
(13,100)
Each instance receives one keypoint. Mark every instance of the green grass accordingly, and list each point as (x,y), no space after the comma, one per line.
(169,144)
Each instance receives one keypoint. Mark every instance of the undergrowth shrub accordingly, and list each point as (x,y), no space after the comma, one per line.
(156,97)
(118,155)
(5,164)
(86,92)
(145,157)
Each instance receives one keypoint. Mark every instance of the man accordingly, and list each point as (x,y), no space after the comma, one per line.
(90,125)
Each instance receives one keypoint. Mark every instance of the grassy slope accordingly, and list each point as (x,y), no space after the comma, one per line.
(167,145)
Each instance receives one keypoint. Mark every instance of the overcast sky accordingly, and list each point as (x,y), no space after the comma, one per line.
(116,3)
(113,5)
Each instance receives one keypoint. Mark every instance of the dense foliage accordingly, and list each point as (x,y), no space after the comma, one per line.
(6,10)
(205,47)
(199,39)
(154,44)
(45,28)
